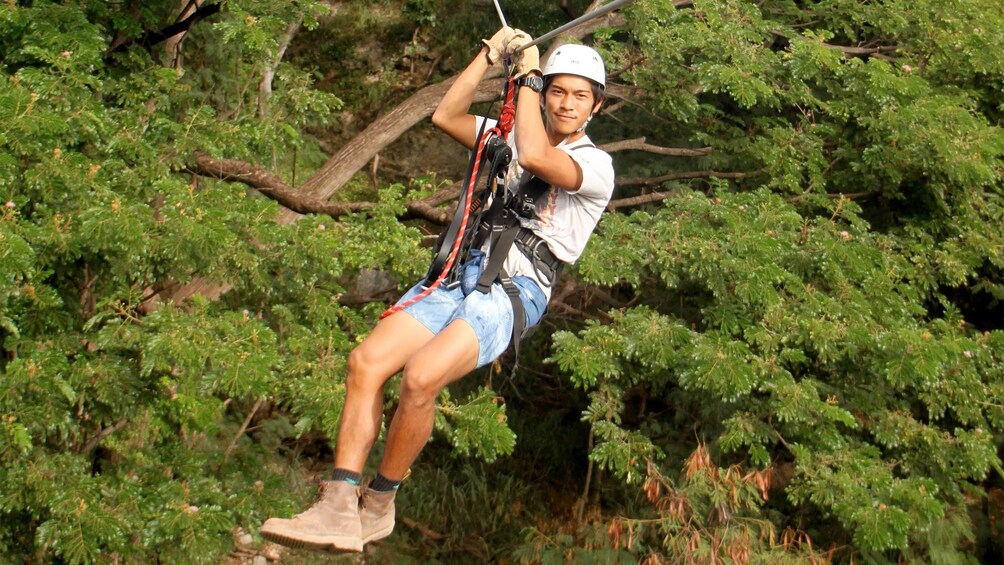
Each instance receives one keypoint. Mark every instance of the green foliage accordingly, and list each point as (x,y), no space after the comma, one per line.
(477,426)
(123,425)
(809,343)
(827,310)
(825,323)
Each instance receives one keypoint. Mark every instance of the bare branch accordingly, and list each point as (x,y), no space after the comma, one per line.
(232,170)
(172,45)
(422,529)
(240,432)
(639,144)
(297,201)
(265,85)
(354,155)
(835,195)
(94,441)
(153,37)
(445,195)
(876,52)
(649,181)
(649,198)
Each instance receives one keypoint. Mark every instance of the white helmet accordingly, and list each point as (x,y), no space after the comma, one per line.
(579,60)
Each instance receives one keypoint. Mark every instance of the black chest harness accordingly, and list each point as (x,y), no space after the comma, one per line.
(499,225)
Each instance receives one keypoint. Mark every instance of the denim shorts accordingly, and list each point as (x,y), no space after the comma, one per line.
(490,314)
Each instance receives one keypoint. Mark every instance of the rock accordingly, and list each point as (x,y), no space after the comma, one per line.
(271,552)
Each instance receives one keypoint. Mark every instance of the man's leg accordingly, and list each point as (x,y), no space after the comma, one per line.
(379,357)
(333,523)
(446,358)
(481,331)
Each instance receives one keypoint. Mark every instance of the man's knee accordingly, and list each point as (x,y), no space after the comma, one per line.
(363,369)
(420,384)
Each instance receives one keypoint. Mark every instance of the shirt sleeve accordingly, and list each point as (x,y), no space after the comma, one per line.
(478,120)
(597,172)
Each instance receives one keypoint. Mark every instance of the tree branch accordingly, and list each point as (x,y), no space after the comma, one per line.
(273,187)
(649,181)
(232,170)
(876,52)
(639,144)
(153,37)
(265,84)
(240,432)
(382,132)
(94,441)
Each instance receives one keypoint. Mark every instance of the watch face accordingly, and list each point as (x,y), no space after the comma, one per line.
(535,82)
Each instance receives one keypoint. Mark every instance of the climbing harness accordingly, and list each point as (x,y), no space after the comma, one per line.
(456,240)
(503,227)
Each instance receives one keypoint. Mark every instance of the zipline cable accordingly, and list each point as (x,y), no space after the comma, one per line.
(580,20)
(499,10)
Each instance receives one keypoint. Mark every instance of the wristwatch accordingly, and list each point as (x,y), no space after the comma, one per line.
(536,83)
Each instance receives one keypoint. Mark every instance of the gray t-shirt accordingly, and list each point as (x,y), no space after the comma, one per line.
(566,218)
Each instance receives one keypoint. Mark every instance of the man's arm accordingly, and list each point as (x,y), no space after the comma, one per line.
(452,115)
(534,150)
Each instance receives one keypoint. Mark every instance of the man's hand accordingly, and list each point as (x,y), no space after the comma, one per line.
(497,44)
(528,60)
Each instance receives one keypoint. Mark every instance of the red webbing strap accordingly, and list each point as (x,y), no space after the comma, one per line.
(507,117)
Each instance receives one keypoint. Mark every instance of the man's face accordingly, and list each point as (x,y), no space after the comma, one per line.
(568,103)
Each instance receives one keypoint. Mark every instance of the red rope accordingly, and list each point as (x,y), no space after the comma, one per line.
(507,118)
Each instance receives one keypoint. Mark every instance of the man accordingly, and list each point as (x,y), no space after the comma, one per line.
(452,331)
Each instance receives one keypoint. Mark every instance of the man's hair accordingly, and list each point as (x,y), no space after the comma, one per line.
(598,90)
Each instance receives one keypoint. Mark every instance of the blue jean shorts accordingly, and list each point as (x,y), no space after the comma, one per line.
(490,314)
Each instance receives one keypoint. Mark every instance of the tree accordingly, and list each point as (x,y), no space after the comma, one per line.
(124,433)
(798,341)
(821,323)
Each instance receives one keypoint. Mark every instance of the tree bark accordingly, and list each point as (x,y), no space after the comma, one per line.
(172,45)
(265,84)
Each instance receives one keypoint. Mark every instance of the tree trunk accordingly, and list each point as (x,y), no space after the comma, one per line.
(172,45)
(265,85)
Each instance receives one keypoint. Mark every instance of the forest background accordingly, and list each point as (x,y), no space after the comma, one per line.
(783,344)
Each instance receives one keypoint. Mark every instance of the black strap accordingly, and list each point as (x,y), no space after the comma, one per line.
(518,312)
(499,155)
(502,228)
(546,265)
(502,237)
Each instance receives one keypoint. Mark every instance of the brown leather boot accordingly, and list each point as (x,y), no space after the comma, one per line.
(331,524)
(376,514)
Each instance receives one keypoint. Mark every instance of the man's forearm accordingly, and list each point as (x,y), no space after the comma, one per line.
(451,115)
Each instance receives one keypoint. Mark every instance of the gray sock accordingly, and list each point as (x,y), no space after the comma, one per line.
(383,484)
(346,475)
